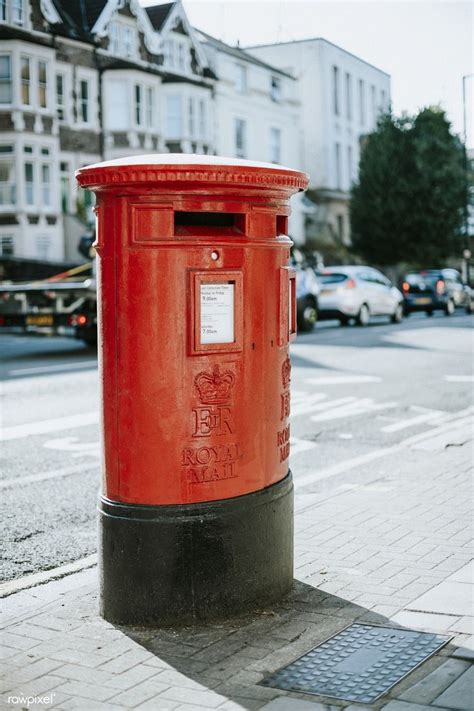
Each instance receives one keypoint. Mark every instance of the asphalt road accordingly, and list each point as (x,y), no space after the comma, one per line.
(356,394)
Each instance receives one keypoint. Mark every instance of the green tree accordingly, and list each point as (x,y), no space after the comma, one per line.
(408,204)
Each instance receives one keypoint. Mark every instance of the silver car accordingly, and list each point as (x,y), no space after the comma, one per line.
(358,293)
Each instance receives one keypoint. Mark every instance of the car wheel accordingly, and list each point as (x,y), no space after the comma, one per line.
(308,316)
(470,307)
(397,315)
(363,317)
(429,312)
(450,307)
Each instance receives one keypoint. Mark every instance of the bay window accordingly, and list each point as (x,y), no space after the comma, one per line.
(42,85)
(60,99)
(138,104)
(150,106)
(7,176)
(29,184)
(173,117)
(25,64)
(46,184)
(84,100)
(5,79)
(202,118)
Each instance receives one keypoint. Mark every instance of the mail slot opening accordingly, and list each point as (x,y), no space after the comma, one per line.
(282,225)
(201,223)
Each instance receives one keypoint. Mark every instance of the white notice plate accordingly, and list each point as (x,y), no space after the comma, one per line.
(217,313)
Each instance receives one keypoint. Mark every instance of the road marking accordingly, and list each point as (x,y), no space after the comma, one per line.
(351,409)
(298,445)
(66,471)
(30,581)
(459,378)
(314,404)
(344,379)
(459,419)
(45,426)
(403,424)
(71,444)
(53,368)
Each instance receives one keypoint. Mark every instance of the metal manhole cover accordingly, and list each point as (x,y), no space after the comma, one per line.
(361,663)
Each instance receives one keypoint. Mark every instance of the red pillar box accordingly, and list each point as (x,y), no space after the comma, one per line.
(197,307)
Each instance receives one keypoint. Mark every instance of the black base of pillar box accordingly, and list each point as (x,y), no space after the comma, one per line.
(181,564)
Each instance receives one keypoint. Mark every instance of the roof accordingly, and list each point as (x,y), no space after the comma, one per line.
(79,17)
(241,54)
(159,13)
(318,39)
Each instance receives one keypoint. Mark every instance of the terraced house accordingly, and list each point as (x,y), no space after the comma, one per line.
(91,80)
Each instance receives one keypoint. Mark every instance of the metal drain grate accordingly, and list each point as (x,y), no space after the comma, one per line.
(361,663)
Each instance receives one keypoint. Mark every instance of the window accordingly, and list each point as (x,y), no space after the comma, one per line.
(117,105)
(17,14)
(42,247)
(3,10)
(128,44)
(181,56)
(240,138)
(373,102)
(275,91)
(350,166)
(382,100)
(7,176)
(173,117)
(84,100)
(275,145)
(348,96)
(241,78)
(25,80)
(191,116)
(340,227)
(42,85)
(29,184)
(169,48)
(337,160)
(361,102)
(114,38)
(335,90)
(46,184)
(138,105)
(45,151)
(150,106)
(27,149)
(60,96)
(65,186)
(5,79)
(202,118)
(7,247)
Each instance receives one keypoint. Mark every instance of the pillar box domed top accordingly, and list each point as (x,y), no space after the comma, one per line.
(190,172)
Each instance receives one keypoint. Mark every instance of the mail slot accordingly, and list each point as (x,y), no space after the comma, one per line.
(197,307)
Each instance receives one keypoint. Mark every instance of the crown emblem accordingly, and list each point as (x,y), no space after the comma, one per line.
(213,385)
(286,372)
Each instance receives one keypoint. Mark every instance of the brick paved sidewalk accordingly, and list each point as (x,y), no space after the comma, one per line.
(388,545)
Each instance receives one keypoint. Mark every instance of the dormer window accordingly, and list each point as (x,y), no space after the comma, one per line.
(12,11)
(122,40)
(176,55)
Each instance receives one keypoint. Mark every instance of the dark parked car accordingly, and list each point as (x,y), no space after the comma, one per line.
(435,289)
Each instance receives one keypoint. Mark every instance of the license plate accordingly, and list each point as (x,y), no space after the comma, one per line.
(40,320)
(325,292)
(423,300)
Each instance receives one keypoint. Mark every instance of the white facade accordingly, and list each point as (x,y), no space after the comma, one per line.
(341,98)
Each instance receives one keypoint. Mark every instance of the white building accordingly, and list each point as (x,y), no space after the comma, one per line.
(341,98)
(93,80)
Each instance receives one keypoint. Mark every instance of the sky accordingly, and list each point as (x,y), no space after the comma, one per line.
(426,46)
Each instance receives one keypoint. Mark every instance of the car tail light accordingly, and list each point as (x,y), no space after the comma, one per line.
(350,284)
(77,320)
(440,286)
(405,286)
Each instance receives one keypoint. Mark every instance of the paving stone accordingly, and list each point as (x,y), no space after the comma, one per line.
(284,703)
(449,597)
(206,699)
(429,688)
(460,695)
(406,706)
(86,691)
(425,621)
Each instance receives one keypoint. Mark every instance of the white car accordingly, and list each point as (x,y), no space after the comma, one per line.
(357,293)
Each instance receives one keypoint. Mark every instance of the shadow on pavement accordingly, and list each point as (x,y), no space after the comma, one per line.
(231,657)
